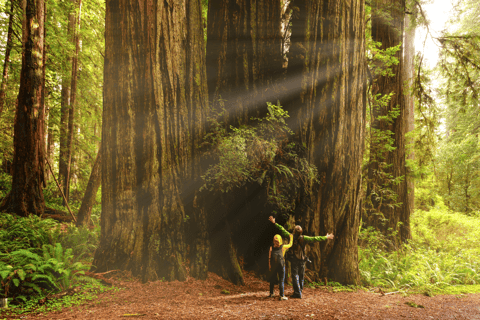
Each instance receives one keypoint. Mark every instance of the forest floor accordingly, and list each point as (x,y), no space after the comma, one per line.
(216,298)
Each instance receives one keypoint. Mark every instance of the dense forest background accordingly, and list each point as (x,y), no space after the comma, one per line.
(163,136)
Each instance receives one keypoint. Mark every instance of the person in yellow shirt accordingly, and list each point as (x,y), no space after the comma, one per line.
(299,258)
(276,264)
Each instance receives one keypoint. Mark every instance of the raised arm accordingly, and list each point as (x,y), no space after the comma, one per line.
(283,232)
(308,239)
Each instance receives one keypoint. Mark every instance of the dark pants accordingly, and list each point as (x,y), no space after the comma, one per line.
(298,272)
(279,272)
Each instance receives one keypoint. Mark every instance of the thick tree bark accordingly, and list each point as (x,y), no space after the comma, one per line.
(244,56)
(6,63)
(387,28)
(26,196)
(244,64)
(148,120)
(327,108)
(85,211)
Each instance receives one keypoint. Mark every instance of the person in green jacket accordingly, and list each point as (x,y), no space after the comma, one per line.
(299,257)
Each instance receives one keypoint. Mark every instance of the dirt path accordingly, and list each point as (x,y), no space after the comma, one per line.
(195,299)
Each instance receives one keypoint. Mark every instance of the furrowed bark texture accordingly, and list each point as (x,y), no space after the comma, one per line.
(150,113)
(244,56)
(387,28)
(327,107)
(26,195)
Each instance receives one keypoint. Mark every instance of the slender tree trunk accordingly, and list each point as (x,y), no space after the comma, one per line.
(148,121)
(327,108)
(73,100)
(387,28)
(26,196)
(63,159)
(6,63)
(94,182)
(408,76)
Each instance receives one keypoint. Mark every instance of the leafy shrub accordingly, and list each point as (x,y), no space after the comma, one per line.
(5,184)
(444,251)
(24,233)
(33,261)
(24,273)
(82,241)
(260,153)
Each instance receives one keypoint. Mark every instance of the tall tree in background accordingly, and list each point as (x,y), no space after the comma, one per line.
(408,78)
(458,158)
(154,101)
(326,59)
(67,108)
(391,214)
(6,63)
(85,211)
(73,98)
(26,195)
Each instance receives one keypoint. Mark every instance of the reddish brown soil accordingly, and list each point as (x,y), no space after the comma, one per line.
(194,299)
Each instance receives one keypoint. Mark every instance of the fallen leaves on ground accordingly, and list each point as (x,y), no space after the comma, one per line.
(196,299)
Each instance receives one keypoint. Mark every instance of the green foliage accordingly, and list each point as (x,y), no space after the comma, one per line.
(378,179)
(444,252)
(58,71)
(35,259)
(458,156)
(25,273)
(86,293)
(82,241)
(5,184)
(260,153)
(18,233)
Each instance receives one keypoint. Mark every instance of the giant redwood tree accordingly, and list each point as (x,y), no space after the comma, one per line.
(154,82)
(26,195)
(389,214)
(327,106)
(244,56)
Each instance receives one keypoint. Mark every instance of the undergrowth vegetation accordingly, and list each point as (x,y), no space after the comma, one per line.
(40,257)
(443,255)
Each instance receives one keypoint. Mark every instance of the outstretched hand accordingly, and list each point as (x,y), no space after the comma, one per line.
(329,236)
(272,219)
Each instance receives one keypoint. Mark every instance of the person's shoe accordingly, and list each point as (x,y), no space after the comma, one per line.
(283,298)
(296,296)
(271,295)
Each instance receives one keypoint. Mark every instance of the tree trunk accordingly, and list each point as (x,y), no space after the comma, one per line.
(244,64)
(63,159)
(327,108)
(387,28)
(6,63)
(83,216)
(73,100)
(408,76)
(148,121)
(244,56)
(26,195)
